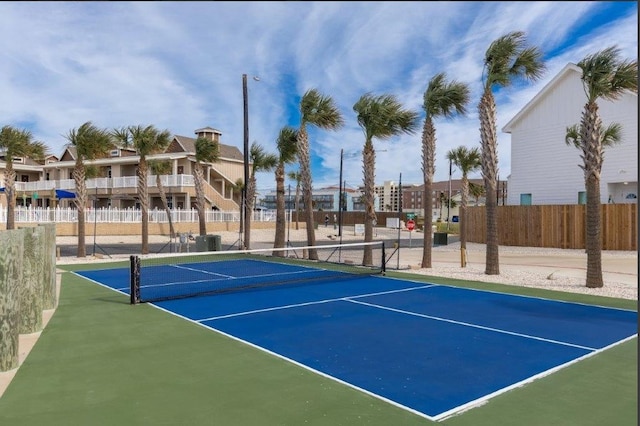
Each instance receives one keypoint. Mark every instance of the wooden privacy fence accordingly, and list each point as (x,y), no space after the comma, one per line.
(556,226)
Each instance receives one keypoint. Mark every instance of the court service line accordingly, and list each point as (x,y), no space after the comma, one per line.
(202,271)
(315,302)
(481,327)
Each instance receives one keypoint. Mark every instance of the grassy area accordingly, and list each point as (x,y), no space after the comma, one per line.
(101,361)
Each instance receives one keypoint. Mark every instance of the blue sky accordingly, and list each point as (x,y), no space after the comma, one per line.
(179,66)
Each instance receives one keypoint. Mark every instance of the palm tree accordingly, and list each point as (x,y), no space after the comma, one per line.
(467,160)
(379,117)
(91,143)
(16,143)
(260,162)
(604,76)
(207,151)
(476,191)
(286,143)
(295,175)
(146,141)
(159,168)
(320,111)
(506,59)
(441,99)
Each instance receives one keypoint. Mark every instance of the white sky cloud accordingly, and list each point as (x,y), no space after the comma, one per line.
(178,66)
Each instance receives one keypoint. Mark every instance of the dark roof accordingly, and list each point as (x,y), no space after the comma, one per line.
(25,160)
(189,145)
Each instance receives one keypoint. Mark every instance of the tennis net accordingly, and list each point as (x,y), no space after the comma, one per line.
(165,277)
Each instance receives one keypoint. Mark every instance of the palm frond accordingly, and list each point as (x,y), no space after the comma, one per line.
(611,135)
(160,167)
(572,136)
(509,57)
(466,159)
(260,159)
(287,144)
(383,116)
(207,151)
(444,98)
(320,110)
(606,76)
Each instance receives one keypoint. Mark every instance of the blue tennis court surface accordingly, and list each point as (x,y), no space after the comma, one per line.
(434,350)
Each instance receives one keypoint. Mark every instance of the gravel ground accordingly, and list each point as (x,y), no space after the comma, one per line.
(623,285)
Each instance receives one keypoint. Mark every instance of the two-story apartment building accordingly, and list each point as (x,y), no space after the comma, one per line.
(117,182)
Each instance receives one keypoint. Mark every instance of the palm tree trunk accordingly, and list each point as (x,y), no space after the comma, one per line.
(428,170)
(593,156)
(143,193)
(593,241)
(281,222)
(368,163)
(463,223)
(81,201)
(163,198)
(10,193)
(297,205)
(199,175)
(488,136)
(307,196)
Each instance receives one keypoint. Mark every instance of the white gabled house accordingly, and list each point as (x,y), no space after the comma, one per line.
(544,169)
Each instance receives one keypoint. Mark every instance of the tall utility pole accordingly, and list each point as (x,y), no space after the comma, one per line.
(243,214)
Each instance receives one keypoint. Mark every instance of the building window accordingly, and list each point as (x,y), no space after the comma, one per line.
(525,199)
(582,197)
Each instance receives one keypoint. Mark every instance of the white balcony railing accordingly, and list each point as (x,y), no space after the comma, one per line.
(131,182)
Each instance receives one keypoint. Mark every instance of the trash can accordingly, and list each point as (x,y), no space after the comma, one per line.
(214,242)
(440,238)
(201,243)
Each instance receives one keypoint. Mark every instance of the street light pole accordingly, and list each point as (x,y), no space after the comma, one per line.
(244,214)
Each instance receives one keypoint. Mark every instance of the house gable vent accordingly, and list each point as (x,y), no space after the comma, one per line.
(18,159)
(114,153)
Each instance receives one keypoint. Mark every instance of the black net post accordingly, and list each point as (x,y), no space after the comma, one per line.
(384,260)
(134,280)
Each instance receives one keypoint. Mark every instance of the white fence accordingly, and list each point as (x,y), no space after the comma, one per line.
(130,215)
